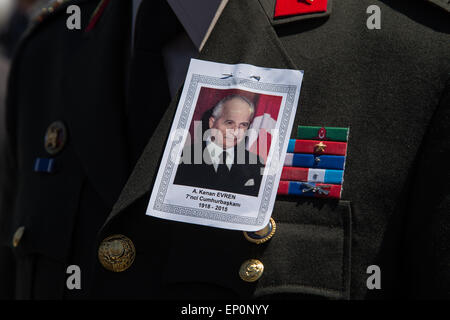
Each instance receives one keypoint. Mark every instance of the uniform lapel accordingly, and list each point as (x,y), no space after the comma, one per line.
(243,34)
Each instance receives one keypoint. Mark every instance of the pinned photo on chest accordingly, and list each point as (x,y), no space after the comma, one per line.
(224,156)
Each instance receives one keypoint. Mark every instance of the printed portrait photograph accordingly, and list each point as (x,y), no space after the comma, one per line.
(229,141)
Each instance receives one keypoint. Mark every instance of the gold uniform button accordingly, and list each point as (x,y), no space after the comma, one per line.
(55,137)
(251,270)
(116,253)
(18,236)
(262,235)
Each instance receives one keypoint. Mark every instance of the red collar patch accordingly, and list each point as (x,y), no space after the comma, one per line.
(298,7)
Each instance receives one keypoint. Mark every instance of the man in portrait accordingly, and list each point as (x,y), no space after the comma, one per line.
(225,163)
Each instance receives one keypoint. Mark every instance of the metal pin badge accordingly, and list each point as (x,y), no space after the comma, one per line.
(55,137)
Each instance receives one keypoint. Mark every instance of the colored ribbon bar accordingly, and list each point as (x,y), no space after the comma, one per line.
(317,147)
(312,175)
(44,165)
(314,161)
(322,133)
(310,189)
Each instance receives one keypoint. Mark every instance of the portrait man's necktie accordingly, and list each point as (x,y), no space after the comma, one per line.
(222,168)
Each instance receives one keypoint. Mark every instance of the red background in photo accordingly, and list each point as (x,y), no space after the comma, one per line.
(265,106)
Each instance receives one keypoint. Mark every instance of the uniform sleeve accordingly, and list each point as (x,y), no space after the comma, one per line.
(426,267)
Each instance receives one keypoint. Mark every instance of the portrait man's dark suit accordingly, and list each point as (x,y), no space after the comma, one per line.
(244,177)
(390,86)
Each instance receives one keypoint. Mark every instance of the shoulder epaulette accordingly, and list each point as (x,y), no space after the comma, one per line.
(49,9)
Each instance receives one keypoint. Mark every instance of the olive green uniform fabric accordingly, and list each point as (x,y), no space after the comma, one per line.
(390,86)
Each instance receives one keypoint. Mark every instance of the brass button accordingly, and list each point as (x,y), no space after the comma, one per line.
(116,253)
(18,236)
(251,270)
(262,235)
(55,137)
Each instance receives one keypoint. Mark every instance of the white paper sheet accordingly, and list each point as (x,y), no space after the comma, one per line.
(244,201)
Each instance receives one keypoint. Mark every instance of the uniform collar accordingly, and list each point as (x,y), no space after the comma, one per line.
(198,18)
(443,4)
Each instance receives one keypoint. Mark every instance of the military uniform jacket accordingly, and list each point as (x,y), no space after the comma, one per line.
(390,86)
